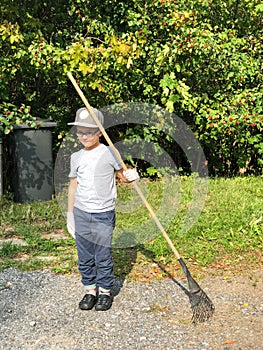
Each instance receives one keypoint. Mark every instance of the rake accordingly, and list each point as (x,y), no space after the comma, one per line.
(201,305)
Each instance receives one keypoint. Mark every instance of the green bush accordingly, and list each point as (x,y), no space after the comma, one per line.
(200,60)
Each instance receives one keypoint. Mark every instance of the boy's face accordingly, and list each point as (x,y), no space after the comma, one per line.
(89,137)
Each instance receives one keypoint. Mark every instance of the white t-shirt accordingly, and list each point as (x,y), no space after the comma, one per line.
(95,173)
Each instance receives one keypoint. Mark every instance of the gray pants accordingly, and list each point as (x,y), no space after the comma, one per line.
(93,238)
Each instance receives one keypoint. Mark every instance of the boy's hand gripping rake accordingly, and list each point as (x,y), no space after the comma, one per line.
(201,305)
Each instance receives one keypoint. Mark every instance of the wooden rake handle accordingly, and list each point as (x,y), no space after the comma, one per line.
(117,155)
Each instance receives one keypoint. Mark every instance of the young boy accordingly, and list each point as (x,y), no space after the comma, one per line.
(91,209)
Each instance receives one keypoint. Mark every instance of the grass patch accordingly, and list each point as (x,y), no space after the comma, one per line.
(228,230)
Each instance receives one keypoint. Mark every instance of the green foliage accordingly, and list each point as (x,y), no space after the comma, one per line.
(11,116)
(201,60)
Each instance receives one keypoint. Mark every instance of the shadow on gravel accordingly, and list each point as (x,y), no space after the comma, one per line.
(149,254)
(124,260)
(201,305)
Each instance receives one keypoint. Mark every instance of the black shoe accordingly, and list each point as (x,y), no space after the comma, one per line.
(87,302)
(104,302)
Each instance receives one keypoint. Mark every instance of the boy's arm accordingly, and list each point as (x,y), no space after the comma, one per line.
(73,184)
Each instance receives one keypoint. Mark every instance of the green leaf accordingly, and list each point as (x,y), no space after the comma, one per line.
(85,69)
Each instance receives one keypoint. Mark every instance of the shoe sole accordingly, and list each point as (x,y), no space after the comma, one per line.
(86,308)
(102,309)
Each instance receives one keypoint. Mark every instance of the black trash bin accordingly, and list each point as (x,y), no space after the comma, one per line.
(30,156)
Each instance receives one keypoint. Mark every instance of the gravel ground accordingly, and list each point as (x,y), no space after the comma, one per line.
(39,310)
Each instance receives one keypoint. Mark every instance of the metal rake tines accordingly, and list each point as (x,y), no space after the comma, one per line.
(201,305)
